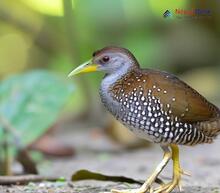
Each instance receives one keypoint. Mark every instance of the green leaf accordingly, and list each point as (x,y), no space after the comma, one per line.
(31,103)
(88,175)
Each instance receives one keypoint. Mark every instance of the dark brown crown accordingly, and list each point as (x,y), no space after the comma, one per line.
(117,50)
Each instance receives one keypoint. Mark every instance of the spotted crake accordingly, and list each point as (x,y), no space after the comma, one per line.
(156,106)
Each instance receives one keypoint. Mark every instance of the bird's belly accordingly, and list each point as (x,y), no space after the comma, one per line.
(141,134)
(148,120)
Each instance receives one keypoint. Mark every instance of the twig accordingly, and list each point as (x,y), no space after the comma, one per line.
(7,158)
(29,166)
(23,157)
(25,179)
(10,129)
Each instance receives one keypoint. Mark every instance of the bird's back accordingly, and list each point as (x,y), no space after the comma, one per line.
(164,108)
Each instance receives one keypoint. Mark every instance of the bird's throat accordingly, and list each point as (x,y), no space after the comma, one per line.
(105,90)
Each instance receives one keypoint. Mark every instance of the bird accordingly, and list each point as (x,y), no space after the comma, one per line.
(156,106)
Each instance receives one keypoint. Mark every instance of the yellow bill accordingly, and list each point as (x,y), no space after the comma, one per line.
(84,68)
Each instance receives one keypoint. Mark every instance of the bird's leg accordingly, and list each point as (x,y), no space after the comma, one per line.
(177,172)
(147,185)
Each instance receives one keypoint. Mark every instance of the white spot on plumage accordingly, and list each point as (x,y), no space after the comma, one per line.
(167,129)
(143,98)
(142,122)
(152,119)
(152,128)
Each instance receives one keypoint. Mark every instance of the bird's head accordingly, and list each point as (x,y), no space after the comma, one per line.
(109,60)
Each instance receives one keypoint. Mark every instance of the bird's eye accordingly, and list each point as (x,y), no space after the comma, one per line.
(105,59)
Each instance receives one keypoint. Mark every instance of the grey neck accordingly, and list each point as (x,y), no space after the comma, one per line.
(105,93)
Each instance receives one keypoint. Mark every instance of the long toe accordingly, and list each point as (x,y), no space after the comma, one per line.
(175,183)
(162,188)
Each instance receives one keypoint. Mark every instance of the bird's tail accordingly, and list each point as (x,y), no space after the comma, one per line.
(210,128)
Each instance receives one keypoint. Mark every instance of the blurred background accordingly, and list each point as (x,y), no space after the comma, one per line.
(56,36)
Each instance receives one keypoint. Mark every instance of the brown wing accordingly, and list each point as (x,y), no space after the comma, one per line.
(184,101)
(175,95)
(181,99)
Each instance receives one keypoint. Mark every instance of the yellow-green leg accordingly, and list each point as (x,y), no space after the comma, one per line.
(177,172)
(147,186)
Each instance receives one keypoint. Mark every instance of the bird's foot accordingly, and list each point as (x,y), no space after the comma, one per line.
(176,182)
(167,188)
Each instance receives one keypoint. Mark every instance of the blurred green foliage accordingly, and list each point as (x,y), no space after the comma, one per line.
(30,104)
